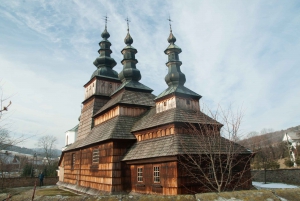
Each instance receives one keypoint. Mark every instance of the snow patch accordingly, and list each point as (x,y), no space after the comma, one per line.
(260,185)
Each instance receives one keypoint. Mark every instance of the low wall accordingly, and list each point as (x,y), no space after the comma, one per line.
(25,181)
(288,176)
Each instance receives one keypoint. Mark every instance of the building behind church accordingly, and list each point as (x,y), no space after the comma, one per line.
(130,140)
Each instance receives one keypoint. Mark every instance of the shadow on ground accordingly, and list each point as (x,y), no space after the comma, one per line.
(53,193)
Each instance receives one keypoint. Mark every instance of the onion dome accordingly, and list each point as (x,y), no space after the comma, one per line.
(129,72)
(174,76)
(171,38)
(105,35)
(104,62)
(128,40)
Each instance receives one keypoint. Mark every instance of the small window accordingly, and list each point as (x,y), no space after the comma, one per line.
(96,156)
(165,103)
(140,174)
(188,102)
(211,172)
(73,160)
(156,176)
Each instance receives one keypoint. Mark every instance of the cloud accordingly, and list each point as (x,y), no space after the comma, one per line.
(234,53)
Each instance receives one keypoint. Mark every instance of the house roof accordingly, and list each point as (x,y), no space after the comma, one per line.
(152,119)
(294,135)
(129,97)
(115,128)
(178,144)
(75,128)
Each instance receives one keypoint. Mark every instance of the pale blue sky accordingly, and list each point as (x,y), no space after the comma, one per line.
(243,53)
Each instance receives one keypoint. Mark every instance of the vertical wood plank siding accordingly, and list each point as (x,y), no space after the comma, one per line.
(177,102)
(168,179)
(119,110)
(105,175)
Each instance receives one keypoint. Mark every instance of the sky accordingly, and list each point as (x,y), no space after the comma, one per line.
(240,54)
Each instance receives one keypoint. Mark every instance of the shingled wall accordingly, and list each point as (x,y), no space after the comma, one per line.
(88,110)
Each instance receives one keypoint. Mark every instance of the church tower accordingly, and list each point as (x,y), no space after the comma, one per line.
(176,95)
(98,89)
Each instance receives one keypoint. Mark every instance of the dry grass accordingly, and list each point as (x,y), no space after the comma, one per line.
(53,192)
(289,194)
(257,195)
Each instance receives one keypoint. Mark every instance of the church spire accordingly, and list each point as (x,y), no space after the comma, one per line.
(174,76)
(129,72)
(104,62)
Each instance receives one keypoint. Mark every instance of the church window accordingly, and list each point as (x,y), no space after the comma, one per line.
(73,161)
(188,102)
(210,172)
(95,156)
(140,174)
(165,103)
(156,175)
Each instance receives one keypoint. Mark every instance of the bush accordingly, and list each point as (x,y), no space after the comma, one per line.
(50,170)
(273,165)
(288,163)
(298,161)
(256,165)
(27,170)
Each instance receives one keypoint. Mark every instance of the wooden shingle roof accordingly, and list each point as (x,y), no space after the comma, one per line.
(179,144)
(152,119)
(115,128)
(177,90)
(129,97)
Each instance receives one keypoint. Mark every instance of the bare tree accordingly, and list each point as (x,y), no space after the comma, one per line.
(47,143)
(5,137)
(211,158)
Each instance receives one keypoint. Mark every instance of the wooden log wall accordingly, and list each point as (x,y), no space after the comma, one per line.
(168,178)
(240,178)
(71,172)
(156,132)
(171,129)
(90,89)
(102,87)
(105,175)
(119,110)
(106,87)
(177,102)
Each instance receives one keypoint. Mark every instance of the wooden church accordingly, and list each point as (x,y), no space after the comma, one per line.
(130,140)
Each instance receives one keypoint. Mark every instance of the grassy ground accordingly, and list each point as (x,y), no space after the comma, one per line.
(53,193)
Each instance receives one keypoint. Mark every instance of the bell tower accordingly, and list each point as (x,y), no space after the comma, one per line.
(104,81)
(176,95)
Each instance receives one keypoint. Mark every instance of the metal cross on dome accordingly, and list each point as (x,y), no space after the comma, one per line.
(105,20)
(169,19)
(127,20)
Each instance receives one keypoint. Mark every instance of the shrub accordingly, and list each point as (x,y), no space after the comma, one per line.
(27,170)
(298,161)
(273,165)
(288,163)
